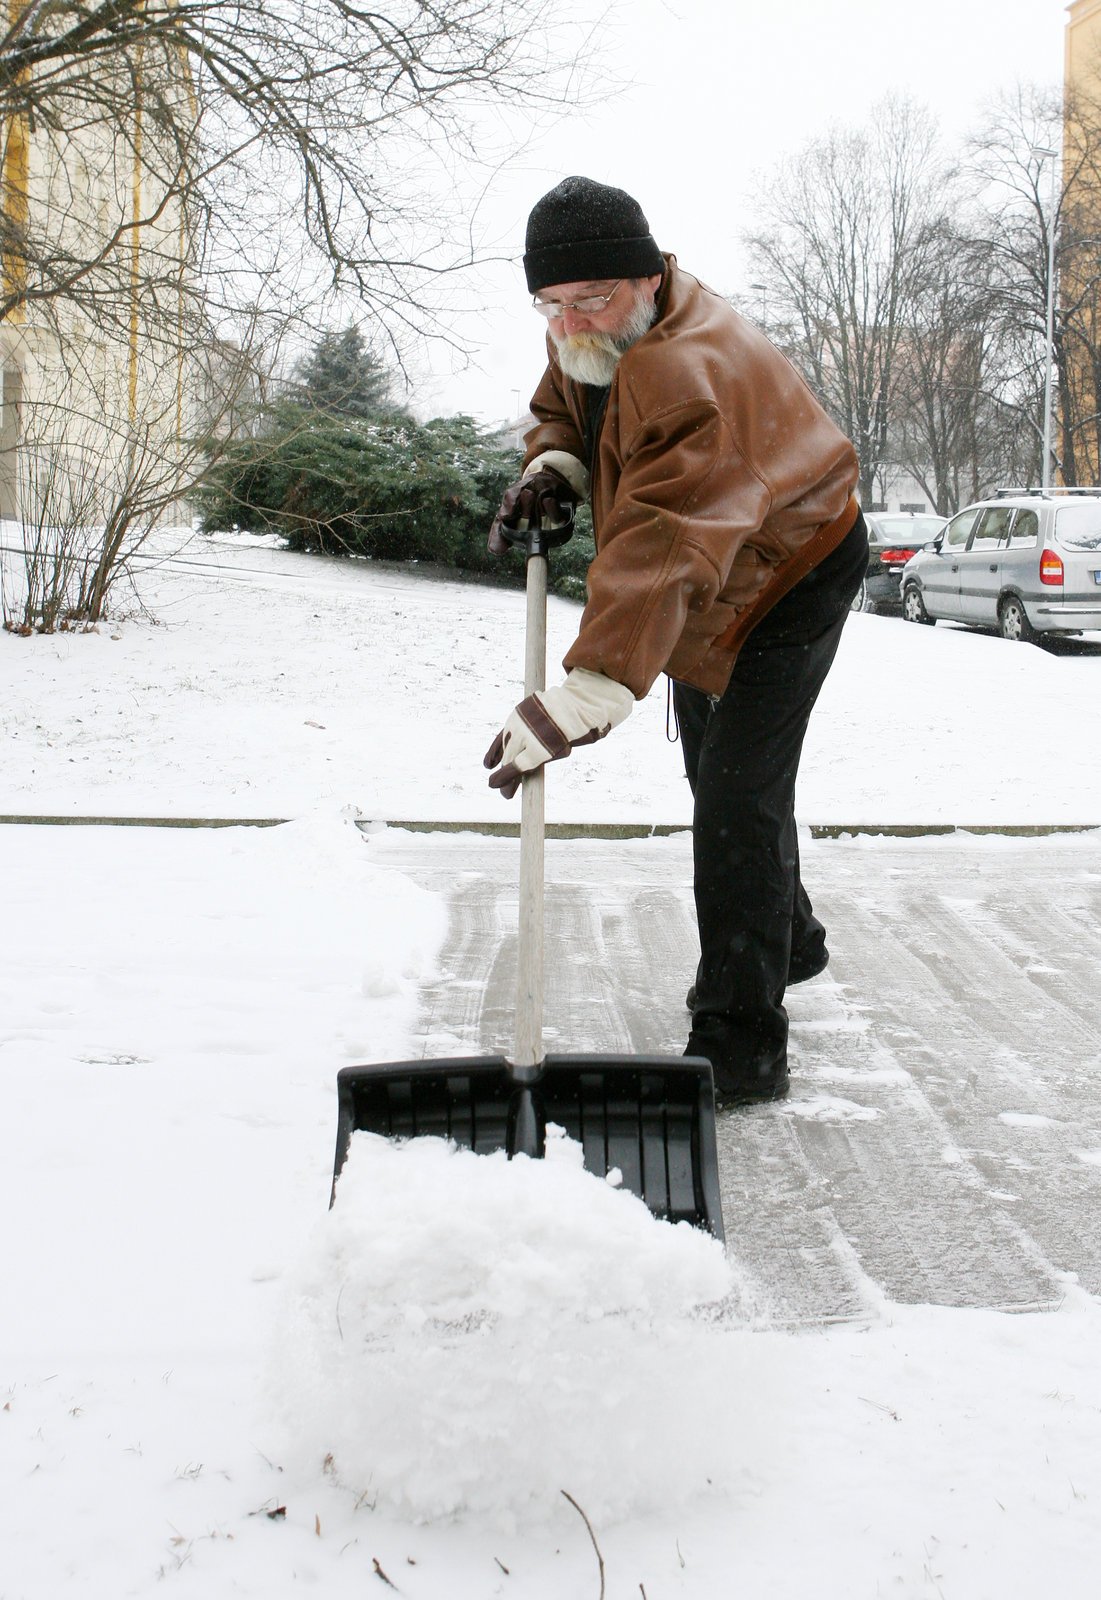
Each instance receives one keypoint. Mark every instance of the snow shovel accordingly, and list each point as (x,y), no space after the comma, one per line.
(650,1117)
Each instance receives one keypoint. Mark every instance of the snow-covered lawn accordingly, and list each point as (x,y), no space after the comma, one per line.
(271,684)
(211,1385)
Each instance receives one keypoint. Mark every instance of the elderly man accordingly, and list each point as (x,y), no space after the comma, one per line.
(728,549)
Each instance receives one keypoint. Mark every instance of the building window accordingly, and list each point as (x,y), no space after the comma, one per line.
(9,441)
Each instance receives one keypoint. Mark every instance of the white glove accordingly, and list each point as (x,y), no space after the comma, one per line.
(548,724)
(575,472)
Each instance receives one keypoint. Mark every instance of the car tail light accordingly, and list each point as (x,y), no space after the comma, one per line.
(894,555)
(1051,568)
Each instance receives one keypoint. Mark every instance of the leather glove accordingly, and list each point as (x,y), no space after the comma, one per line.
(548,724)
(546,496)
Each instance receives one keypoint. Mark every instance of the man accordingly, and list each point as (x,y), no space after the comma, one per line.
(728,549)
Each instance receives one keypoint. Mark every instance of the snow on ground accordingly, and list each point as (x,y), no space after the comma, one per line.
(269,684)
(210,1385)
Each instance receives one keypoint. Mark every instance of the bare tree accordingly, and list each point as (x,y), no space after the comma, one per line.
(94,480)
(1012,164)
(846,226)
(183,181)
(915,293)
(1011,240)
(953,427)
(307,117)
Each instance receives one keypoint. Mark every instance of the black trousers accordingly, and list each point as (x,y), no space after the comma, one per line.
(741,754)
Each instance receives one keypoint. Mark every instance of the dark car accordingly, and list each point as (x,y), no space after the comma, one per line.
(893,537)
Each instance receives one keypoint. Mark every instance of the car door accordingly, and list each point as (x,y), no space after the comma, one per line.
(1020,572)
(981,564)
(940,572)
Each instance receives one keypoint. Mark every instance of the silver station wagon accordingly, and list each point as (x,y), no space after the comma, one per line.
(1025,563)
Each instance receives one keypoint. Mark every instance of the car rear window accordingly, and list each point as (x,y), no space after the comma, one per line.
(909,530)
(1078,527)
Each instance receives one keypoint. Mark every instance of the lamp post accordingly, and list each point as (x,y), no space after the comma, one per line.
(762,290)
(1046,154)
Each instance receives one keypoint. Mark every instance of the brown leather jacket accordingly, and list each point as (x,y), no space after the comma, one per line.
(718,482)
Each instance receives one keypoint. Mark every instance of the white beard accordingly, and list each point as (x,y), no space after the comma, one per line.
(593,357)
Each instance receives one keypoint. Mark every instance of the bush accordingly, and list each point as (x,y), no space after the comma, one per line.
(385,487)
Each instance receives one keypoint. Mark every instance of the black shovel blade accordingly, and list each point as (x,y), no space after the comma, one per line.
(651,1117)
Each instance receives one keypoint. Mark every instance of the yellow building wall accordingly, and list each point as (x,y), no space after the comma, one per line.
(1083,44)
(89,402)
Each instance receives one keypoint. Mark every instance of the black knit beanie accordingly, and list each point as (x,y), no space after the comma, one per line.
(585,230)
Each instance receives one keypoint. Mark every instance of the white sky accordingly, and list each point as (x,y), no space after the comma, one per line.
(717,91)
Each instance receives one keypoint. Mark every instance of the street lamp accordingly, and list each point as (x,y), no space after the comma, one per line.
(762,289)
(1046,154)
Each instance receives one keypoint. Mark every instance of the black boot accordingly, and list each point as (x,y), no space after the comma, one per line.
(740,1082)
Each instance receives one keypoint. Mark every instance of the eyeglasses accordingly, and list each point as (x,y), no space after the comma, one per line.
(590,306)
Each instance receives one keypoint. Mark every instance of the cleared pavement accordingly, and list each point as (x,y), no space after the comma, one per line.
(942,1142)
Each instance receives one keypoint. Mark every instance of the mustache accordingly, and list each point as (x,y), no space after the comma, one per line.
(580,343)
(591,356)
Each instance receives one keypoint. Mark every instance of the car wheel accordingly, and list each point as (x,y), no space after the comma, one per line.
(861,600)
(913,606)
(1013,623)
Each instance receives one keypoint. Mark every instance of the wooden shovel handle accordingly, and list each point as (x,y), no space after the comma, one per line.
(529,963)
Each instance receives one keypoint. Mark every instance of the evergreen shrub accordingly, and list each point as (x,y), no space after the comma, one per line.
(385,487)
(338,467)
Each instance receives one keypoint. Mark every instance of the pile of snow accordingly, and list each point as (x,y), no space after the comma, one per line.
(469,1334)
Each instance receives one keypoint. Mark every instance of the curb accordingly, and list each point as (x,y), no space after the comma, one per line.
(570,830)
(925,830)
